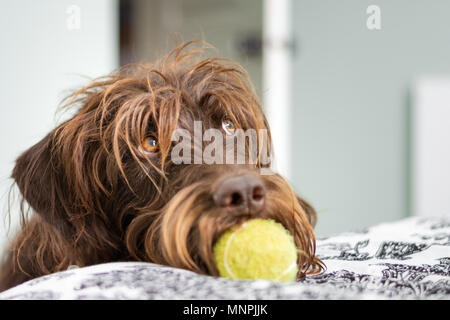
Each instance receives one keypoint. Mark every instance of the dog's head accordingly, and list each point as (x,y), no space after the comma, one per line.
(127,177)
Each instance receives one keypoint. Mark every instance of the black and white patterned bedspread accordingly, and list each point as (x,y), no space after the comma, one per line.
(407,259)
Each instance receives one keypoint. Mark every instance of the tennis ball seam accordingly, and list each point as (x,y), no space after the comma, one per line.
(288,269)
(227,247)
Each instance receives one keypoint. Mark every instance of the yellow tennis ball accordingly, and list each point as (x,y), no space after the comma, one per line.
(257,249)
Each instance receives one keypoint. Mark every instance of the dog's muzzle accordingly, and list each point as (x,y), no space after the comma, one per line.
(241,195)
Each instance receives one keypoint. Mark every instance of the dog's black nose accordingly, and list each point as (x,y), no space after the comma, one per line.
(241,195)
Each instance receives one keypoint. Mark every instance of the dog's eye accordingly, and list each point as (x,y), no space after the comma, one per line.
(150,145)
(228,125)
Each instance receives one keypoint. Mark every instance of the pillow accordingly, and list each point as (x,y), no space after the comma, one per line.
(407,259)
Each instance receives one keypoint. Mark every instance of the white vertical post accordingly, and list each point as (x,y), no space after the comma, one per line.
(431,147)
(277,78)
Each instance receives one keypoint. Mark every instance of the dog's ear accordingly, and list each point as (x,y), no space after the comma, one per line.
(309,210)
(40,181)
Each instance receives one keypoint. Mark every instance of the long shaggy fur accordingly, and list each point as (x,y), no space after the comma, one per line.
(95,197)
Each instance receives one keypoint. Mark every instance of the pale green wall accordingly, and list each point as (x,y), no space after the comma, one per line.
(350,92)
(40,59)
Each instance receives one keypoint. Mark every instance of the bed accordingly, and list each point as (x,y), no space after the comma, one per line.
(406,259)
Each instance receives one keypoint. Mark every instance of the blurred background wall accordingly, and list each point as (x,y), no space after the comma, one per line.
(47,48)
(233,27)
(346,93)
(352,90)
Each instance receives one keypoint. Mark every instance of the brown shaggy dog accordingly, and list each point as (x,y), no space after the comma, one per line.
(102,186)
